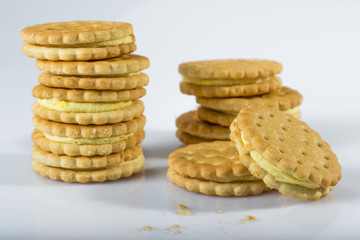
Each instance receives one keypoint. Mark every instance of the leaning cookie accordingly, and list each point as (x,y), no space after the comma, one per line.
(212,168)
(115,172)
(78,41)
(285,152)
(190,139)
(229,78)
(191,124)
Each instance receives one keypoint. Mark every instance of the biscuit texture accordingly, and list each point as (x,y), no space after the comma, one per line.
(80,131)
(110,67)
(82,162)
(215,117)
(124,114)
(75,32)
(284,99)
(288,144)
(190,139)
(86,150)
(230,69)
(94,83)
(116,172)
(71,95)
(208,160)
(76,53)
(251,89)
(239,189)
(191,124)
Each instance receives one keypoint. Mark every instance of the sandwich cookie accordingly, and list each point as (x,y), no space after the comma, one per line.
(131,81)
(285,152)
(229,78)
(87,106)
(212,168)
(190,124)
(119,66)
(78,41)
(223,111)
(115,172)
(78,140)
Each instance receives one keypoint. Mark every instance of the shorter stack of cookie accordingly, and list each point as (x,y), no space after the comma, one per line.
(270,150)
(223,88)
(88,117)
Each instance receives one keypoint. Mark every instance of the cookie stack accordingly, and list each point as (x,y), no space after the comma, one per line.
(270,149)
(88,117)
(223,88)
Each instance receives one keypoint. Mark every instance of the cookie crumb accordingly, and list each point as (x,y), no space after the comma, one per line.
(220,211)
(242,222)
(249,217)
(147,228)
(181,206)
(185,212)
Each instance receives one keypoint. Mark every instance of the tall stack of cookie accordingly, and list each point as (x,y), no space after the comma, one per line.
(223,88)
(88,117)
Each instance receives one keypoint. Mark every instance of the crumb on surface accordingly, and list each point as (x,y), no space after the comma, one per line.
(220,211)
(185,212)
(242,222)
(181,206)
(249,217)
(147,228)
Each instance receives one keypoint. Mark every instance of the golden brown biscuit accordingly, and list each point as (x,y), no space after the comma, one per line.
(230,69)
(71,95)
(190,139)
(83,162)
(284,99)
(87,149)
(285,152)
(191,124)
(212,168)
(75,33)
(215,91)
(225,119)
(94,83)
(119,66)
(115,172)
(127,113)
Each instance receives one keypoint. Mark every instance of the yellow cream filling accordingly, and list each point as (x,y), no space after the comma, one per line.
(65,106)
(277,173)
(111,43)
(93,141)
(222,82)
(245,178)
(294,111)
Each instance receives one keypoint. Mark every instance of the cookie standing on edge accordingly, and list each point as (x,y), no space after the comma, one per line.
(78,40)
(285,153)
(229,78)
(212,168)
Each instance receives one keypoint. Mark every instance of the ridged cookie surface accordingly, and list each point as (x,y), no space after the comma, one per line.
(244,90)
(94,83)
(230,69)
(277,146)
(110,67)
(75,32)
(284,99)
(191,124)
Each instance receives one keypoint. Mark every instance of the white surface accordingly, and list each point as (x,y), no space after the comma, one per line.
(318,46)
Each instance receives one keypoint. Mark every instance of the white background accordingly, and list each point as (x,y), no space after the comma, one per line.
(316,41)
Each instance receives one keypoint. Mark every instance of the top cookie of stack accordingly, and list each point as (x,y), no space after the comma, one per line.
(89,79)
(229,78)
(78,40)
